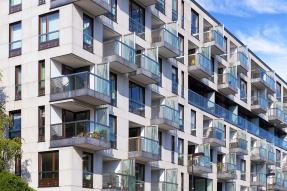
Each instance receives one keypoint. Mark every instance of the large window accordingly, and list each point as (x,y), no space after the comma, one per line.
(181,117)
(137,99)
(243,90)
(113,80)
(41,78)
(242,169)
(48,168)
(180,152)
(113,14)
(49,30)
(193,123)
(140,176)
(18,85)
(87,170)
(137,18)
(160,6)
(278,91)
(113,130)
(15,39)
(174,78)
(182,84)
(88,33)
(15,129)
(41,121)
(174,10)
(15,6)
(194,23)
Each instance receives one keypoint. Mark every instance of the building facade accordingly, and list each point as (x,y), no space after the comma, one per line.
(138,95)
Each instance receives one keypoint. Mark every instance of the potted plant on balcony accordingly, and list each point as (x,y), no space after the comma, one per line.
(101,134)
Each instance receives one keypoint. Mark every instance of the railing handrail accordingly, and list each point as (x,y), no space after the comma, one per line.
(80,121)
(144,138)
(51,32)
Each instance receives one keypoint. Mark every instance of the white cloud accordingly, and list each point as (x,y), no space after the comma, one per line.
(244,7)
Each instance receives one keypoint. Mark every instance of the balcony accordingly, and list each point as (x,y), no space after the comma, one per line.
(226,171)
(259,104)
(214,135)
(165,117)
(199,66)
(85,134)
(118,182)
(95,7)
(167,43)
(120,56)
(163,186)
(199,165)
(258,179)
(242,62)
(83,87)
(238,146)
(227,83)
(144,149)
(271,160)
(259,154)
(261,80)
(277,117)
(215,40)
(147,72)
(275,183)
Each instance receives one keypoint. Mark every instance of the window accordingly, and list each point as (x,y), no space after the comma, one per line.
(15,130)
(18,165)
(15,6)
(174,78)
(41,2)
(193,122)
(194,23)
(41,121)
(41,78)
(48,167)
(18,88)
(113,14)
(182,84)
(181,47)
(49,31)
(140,175)
(113,130)
(15,42)
(113,79)
(137,99)
(87,170)
(182,181)
(243,90)
(181,117)
(180,151)
(160,71)
(182,14)
(174,10)
(88,33)
(243,169)
(160,6)
(172,148)
(137,19)
(278,91)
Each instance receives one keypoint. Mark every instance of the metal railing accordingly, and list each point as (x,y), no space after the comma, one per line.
(77,81)
(144,144)
(84,128)
(147,63)
(165,112)
(229,79)
(200,60)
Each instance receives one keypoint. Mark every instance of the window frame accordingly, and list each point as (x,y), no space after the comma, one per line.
(49,182)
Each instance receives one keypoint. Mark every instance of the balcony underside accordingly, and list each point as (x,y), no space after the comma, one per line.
(165,124)
(165,50)
(199,170)
(270,162)
(119,64)
(276,121)
(257,158)
(226,176)
(215,49)
(260,84)
(257,183)
(82,142)
(214,142)
(144,156)
(72,60)
(238,151)
(258,109)
(87,96)
(198,72)
(144,77)
(227,89)
(146,3)
(242,69)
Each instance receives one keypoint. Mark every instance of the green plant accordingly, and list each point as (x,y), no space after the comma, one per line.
(11,182)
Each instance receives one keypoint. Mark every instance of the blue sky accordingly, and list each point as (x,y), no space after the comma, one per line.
(260,24)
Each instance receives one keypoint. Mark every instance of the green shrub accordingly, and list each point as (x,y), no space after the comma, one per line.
(11,182)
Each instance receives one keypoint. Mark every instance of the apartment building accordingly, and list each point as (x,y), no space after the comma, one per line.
(138,95)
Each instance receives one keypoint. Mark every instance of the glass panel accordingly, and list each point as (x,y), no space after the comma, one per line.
(15,2)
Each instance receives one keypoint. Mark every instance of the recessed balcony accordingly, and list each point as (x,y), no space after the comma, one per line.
(277,117)
(214,136)
(259,104)
(261,80)
(226,171)
(85,134)
(118,182)
(258,179)
(199,66)
(120,56)
(227,83)
(215,40)
(199,165)
(144,149)
(85,87)
(259,154)
(238,146)
(167,43)
(165,117)
(147,70)
(95,7)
